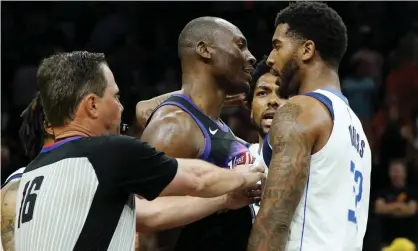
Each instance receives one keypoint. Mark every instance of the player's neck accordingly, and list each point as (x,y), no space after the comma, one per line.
(319,77)
(204,92)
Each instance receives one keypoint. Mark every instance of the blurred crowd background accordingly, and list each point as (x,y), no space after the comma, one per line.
(379,75)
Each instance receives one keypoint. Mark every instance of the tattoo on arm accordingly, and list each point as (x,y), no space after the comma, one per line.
(8,216)
(288,172)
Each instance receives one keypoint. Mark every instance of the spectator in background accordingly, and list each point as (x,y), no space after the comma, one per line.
(366,53)
(397,205)
(402,82)
(389,128)
(359,88)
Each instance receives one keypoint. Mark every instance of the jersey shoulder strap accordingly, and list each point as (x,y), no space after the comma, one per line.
(186,104)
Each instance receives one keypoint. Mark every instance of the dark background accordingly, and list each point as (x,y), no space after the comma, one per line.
(379,72)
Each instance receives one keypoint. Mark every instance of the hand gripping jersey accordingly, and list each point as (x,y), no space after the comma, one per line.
(332,213)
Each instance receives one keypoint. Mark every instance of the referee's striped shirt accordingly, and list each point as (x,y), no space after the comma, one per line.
(78,193)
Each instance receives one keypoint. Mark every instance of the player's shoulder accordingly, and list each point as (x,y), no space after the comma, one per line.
(171,117)
(308,110)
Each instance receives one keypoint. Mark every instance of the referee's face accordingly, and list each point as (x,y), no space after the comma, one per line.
(110,109)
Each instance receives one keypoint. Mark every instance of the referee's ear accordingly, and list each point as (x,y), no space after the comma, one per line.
(91,105)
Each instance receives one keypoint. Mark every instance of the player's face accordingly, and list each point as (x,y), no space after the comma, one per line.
(111,109)
(265,102)
(233,62)
(284,61)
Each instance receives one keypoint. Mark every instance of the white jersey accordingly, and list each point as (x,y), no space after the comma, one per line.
(254,150)
(332,213)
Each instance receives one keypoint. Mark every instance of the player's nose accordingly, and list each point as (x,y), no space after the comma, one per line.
(270,59)
(251,59)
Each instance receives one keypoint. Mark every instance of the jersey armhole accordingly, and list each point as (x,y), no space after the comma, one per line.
(324,100)
(208,146)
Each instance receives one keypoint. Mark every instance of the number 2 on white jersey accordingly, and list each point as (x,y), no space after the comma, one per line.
(357,190)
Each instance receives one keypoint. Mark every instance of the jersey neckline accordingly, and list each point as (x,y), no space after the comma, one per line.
(55,145)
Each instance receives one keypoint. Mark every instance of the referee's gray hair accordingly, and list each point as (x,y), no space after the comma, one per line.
(65,79)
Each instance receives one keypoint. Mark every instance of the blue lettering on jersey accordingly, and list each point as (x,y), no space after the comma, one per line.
(357,191)
(356,142)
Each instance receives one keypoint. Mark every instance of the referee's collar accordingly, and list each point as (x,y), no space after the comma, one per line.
(54,145)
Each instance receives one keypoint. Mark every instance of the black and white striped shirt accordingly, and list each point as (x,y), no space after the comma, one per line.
(78,193)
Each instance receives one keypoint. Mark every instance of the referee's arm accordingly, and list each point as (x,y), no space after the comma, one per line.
(150,174)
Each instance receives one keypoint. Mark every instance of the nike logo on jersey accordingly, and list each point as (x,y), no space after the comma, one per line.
(213,132)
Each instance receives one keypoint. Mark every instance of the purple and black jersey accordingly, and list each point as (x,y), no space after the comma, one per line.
(220,231)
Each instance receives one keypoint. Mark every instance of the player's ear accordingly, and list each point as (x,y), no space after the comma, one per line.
(307,50)
(203,50)
(251,114)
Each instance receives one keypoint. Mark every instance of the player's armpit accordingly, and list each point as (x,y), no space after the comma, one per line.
(292,139)
(8,215)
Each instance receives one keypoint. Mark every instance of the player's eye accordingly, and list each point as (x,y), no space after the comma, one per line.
(261,93)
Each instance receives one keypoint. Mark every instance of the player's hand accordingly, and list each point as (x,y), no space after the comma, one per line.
(243,197)
(236,100)
(252,174)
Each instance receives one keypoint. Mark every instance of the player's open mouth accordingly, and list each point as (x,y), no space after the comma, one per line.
(249,71)
(268,117)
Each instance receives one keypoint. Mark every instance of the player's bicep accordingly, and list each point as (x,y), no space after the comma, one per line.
(292,140)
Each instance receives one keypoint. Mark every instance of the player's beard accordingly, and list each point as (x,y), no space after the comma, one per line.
(288,82)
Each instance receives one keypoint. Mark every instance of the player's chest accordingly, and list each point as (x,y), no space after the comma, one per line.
(229,153)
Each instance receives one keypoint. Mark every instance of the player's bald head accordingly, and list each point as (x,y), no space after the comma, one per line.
(203,29)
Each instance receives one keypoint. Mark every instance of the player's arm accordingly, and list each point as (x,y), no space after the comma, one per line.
(170,212)
(293,134)
(177,135)
(8,214)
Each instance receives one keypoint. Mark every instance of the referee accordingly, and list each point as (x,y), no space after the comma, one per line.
(78,193)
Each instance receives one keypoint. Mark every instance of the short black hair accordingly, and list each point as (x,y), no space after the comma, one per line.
(317,22)
(260,69)
(199,29)
(65,79)
(32,131)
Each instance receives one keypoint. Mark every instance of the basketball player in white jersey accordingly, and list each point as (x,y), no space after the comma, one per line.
(316,196)
(33,134)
